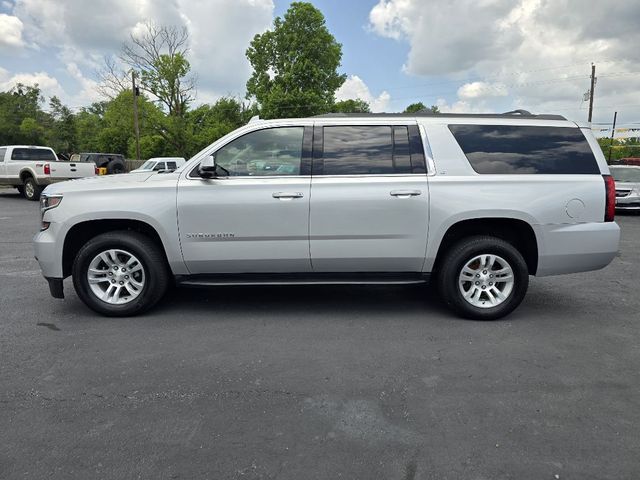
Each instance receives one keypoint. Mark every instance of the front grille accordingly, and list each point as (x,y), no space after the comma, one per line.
(622,193)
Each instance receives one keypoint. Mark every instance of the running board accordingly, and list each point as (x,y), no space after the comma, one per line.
(302,279)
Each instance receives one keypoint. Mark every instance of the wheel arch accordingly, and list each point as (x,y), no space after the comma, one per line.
(82,232)
(26,173)
(516,231)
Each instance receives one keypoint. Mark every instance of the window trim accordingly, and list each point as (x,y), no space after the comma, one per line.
(305,159)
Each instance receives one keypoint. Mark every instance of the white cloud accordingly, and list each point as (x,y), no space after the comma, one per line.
(10,31)
(463,106)
(220,31)
(531,54)
(48,85)
(482,89)
(355,88)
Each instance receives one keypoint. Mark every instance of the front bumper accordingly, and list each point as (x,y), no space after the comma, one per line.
(630,202)
(48,251)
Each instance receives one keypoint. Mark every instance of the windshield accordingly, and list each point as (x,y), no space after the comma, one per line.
(626,174)
(148,165)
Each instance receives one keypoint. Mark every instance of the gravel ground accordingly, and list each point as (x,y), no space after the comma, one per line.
(318,382)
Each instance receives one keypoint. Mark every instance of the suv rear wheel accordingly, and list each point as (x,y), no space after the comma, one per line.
(483,278)
(120,273)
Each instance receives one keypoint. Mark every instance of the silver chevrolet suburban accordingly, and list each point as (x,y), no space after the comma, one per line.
(475,202)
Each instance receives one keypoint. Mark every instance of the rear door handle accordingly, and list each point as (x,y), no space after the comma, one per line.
(405,193)
(287,195)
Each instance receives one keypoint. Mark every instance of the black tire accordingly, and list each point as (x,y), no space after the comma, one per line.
(20,189)
(115,167)
(31,190)
(157,274)
(463,252)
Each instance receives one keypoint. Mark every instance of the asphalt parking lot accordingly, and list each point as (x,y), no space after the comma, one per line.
(318,382)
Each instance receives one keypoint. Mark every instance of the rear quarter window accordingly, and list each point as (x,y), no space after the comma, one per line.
(510,149)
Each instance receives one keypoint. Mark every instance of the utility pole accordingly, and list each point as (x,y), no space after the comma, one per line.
(136,93)
(593,86)
(613,132)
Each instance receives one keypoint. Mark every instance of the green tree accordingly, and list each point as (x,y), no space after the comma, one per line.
(351,106)
(158,58)
(89,123)
(31,132)
(207,123)
(17,105)
(61,131)
(295,65)
(117,134)
(417,107)
(620,148)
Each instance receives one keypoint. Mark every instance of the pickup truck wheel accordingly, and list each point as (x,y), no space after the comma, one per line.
(31,190)
(120,273)
(483,278)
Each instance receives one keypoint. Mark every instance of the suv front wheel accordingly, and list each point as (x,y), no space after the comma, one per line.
(120,273)
(483,278)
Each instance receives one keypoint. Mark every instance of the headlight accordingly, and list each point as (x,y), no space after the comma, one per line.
(47,202)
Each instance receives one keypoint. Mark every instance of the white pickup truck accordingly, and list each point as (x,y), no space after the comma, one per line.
(31,168)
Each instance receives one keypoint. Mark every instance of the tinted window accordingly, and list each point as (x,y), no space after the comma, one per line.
(171,165)
(159,166)
(33,154)
(506,149)
(401,152)
(273,151)
(358,150)
(3,152)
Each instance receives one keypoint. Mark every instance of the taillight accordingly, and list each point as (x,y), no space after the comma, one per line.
(47,169)
(97,172)
(610,198)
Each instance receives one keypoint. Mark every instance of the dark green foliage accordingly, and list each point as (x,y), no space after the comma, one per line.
(295,65)
(620,148)
(351,106)
(416,107)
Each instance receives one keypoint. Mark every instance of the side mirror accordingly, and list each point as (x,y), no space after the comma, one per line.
(207,168)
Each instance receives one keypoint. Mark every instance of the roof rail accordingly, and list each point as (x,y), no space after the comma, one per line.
(518,112)
(515,113)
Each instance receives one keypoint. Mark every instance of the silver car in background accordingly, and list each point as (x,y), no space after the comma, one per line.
(627,179)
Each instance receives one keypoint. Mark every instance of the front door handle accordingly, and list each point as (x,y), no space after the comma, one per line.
(405,193)
(287,195)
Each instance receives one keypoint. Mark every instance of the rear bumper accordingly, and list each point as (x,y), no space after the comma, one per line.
(577,248)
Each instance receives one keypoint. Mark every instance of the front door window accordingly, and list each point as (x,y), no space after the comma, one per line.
(268,152)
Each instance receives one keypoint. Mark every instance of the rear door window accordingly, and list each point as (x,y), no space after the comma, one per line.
(510,149)
(366,150)
(33,154)
(3,152)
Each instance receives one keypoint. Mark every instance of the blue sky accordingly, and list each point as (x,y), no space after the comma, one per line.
(463,55)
